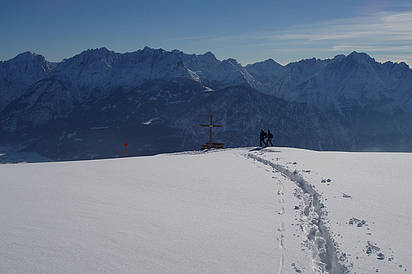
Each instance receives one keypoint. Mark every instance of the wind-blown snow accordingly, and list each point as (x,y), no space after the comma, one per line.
(239,211)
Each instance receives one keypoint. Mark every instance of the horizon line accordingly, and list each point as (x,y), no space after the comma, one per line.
(221,59)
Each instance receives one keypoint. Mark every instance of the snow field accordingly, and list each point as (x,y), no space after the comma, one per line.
(209,212)
(273,210)
(367,202)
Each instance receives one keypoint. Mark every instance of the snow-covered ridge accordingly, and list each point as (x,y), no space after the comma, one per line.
(347,102)
(106,70)
(243,210)
(355,77)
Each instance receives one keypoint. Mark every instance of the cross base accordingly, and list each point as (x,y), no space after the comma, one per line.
(213,145)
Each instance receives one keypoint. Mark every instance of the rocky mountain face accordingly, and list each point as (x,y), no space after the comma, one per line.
(87,106)
(356,79)
(17,74)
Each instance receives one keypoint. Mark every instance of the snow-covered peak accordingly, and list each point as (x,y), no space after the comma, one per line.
(151,51)
(20,72)
(91,69)
(267,67)
(27,59)
(271,62)
(339,57)
(102,70)
(267,74)
(310,62)
(25,55)
(360,57)
(26,65)
(102,50)
(176,51)
(404,66)
(356,77)
(209,55)
(91,55)
(356,62)
(232,62)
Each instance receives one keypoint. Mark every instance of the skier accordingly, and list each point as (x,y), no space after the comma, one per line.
(269,140)
(262,138)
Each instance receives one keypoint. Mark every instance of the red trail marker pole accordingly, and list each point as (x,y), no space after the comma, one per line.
(125,148)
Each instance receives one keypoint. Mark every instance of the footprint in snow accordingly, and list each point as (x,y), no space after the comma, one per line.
(357,222)
(381,256)
(370,248)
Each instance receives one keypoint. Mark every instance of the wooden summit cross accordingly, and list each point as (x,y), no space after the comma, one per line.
(210,144)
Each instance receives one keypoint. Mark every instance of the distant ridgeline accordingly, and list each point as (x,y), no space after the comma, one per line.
(87,106)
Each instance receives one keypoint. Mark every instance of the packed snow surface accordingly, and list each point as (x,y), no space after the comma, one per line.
(249,210)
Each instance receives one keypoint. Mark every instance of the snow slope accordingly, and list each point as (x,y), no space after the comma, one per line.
(367,202)
(211,212)
(232,211)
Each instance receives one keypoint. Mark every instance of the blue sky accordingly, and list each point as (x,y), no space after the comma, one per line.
(248,31)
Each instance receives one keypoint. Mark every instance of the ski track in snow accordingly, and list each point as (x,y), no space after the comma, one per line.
(325,253)
(280,237)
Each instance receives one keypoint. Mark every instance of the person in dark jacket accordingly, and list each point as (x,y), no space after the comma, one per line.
(262,138)
(270,136)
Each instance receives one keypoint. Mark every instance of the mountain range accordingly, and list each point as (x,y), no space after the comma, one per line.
(88,105)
